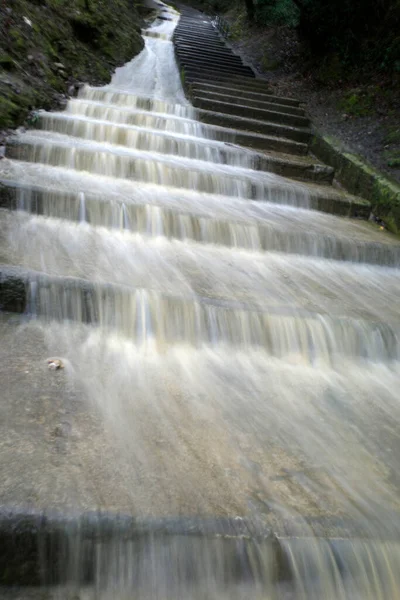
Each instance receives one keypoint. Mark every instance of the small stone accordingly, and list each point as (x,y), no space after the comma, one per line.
(27,21)
(59,65)
(55,363)
(30,57)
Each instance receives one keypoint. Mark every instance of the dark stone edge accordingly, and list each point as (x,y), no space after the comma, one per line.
(361,178)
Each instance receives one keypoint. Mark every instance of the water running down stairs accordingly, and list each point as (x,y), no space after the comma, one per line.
(226,424)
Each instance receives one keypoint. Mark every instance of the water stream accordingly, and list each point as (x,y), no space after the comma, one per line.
(241,351)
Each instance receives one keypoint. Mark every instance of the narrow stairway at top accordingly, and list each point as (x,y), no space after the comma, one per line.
(228,323)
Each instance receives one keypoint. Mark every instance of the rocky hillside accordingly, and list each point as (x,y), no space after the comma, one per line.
(48,46)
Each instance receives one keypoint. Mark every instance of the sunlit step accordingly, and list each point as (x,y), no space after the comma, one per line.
(261,280)
(109,95)
(269,229)
(118,161)
(148,317)
(183,145)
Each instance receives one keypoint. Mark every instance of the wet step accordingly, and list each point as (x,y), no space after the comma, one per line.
(131,100)
(297,134)
(317,197)
(117,113)
(249,280)
(188,146)
(106,541)
(93,530)
(244,109)
(267,228)
(144,315)
(122,162)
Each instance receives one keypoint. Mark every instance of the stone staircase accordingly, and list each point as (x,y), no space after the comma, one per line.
(243,110)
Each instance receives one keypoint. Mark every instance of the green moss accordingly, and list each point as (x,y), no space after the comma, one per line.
(86,36)
(393,136)
(360,178)
(7,62)
(357,104)
(18,39)
(9,112)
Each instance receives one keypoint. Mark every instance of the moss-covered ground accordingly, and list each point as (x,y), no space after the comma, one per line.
(47,46)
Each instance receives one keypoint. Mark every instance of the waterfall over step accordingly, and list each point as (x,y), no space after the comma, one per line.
(224,422)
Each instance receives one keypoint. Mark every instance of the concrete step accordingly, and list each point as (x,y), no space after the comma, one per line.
(268,102)
(39,545)
(215,67)
(273,229)
(121,116)
(176,144)
(233,87)
(245,83)
(209,56)
(188,46)
(205,42)
(77,299)
(317,197)
(199,59)
(255,125)
(208,31)
(149,167)
(248,111)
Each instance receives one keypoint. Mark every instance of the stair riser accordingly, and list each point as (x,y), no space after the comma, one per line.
(209,57)
(226,120)
(251,113)
(216,68)
(265,104)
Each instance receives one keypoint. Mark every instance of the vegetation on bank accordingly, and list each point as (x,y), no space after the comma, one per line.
(355,32)
(48,46)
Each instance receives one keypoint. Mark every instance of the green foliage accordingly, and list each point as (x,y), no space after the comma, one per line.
(8,112)
(393,136)
(356,31)
(357,104)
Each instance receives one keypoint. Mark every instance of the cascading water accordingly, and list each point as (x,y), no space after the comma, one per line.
(242,356)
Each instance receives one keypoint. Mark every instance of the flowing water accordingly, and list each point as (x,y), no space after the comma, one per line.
(241,351)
